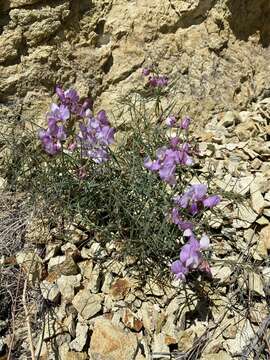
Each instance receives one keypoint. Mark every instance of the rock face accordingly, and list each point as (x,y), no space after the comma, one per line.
(215,51)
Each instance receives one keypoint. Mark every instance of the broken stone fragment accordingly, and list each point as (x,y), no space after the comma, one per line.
(49,291)
(81,337)
(94,281)
(67,285)
(74,355)
(65,265)
(87,304)
(159,346)
(265,237)
(9,44)
(31,264)
(222,273)
(120,288)
(255,284)
(131,321)
(257,200)
(244,332)
(110,342)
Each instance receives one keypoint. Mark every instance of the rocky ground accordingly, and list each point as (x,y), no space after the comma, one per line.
(83,302)
(92,305)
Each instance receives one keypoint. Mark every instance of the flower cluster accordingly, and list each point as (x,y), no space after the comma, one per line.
(193,201)
(155,80)
(171,121)
(73,122)
(167,158)
(96,136)
(190,257)
(56,132)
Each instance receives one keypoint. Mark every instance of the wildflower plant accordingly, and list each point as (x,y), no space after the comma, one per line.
(137,189)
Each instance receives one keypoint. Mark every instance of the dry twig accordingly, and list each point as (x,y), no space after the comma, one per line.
(27,316)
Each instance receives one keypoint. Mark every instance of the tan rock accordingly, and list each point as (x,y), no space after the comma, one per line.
(81,337)
(65,265)
(94,280)
(87,304)
(160,345)
(244,333)
(221,355)
(221,272)
(21,3)
(186,340)
(67,285)
(74,355)
(9,44)
(255,283)
(265,237)
(111,342)
(50,291)
(131,321)
(120,288)
(31,264)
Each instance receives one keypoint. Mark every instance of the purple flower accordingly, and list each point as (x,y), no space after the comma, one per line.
(158,81)
(211,201)
(106,135)
(69,98)
(51,145)
(170,121)
(98,155)
(179,270)
(95,133)
(184,157)
(195,198)
(177,220)
(168,159)
(102,118)
(185,122)
(96,136)
(146,71)
(190,257)
(174,142)
(190,254)
(167,172)
(58,113)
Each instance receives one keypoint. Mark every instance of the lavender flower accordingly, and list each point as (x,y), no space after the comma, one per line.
(50,144)
(179,270)
(190,257)
(168,159)
(96,136)
(185,123)
(95,133)
(158,81)
(146,71)
(69,98)
(170,121)
(177,220)
(195,198)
